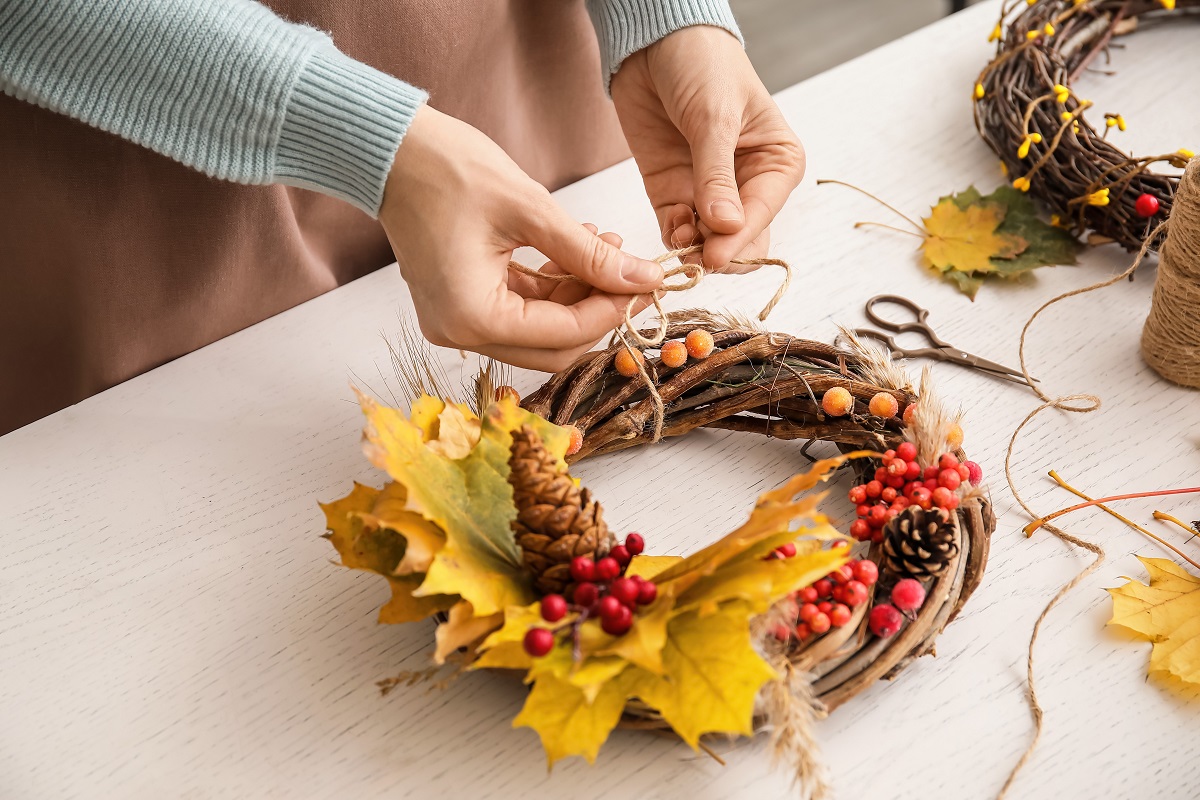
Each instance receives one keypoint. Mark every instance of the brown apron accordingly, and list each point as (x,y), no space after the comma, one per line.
(114,260)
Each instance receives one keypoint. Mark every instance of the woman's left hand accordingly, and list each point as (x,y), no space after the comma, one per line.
(708,140)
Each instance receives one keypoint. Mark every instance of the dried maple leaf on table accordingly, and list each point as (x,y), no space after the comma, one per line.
(1166,612)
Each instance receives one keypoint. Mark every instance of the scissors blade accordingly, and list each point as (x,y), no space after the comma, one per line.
(986,365)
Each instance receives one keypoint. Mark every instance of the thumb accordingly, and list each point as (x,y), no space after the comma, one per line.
(587,256)
(716,189)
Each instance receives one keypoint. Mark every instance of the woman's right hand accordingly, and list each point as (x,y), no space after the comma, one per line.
(455,208)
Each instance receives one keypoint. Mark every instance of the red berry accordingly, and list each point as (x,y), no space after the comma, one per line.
(621,554)
(950,479)
(895,481)
(888,495)
(583,569)
(858,495)
(888,454)
(824,606)
(635,544)
(538,642)
(803,631)
(912,471)
(878,516)
(931,471)
(619,623)
(964,472)
(860,530)
(610,607)
(625,590)
(931,484)
(781,632)
(952,503)
(874,488)
(863,510)
(907,451)
(808,595)
(554,607)
(839,616)
(900,504)
(922,497)
(808,611)
(854,593)
(819,624)
(866,572)
(1146,205)
(786,550)
(823,587)
(910,487)
(948,461)
(837,594)
(647,592)
(908,594)
(976,473)
(880,474)
(885,620)
(896,467)
(586,594)
(941,497)
(842,574)
(608,568)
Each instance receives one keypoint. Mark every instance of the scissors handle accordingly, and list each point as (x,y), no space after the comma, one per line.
(918,325)
(899,352)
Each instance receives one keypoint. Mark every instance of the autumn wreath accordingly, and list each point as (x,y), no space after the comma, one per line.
(482,526)
(1029,114)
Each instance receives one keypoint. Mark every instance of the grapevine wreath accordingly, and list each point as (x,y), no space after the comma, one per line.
(482,527)
(1034,121)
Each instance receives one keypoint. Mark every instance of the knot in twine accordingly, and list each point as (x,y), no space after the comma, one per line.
(1171,337)
(693,274)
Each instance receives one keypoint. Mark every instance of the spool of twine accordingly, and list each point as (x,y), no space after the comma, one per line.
(1171,338)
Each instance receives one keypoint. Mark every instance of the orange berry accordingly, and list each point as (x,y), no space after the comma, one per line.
(955,437)
(674,354)
(507,393)
(884,405)
(909,410)
(628,362)
(837,402)
(699,343)
(575,443)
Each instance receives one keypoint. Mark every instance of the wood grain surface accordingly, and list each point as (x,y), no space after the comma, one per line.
(172,626)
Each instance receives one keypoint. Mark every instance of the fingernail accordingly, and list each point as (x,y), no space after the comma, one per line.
(638,271)
(725,210)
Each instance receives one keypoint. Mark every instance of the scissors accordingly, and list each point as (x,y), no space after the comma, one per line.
(939,349)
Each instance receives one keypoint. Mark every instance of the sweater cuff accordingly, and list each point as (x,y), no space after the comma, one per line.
(343,123)
(626,26)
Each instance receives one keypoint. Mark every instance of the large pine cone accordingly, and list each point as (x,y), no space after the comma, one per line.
(919,544)
(556,520)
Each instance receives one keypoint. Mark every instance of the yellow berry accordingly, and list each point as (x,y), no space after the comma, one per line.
(576,441)
(955,437)
(884,405)
(909,411)
(507,393)
(628,362)
(674,354)
(699,343)
(837,402)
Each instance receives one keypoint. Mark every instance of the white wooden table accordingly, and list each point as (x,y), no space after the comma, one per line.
(171,624)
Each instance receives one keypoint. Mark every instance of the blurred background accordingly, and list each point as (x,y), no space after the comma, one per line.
(790,40)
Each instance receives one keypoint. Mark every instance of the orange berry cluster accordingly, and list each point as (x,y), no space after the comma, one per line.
(838,402)
(698,344)
(829,602)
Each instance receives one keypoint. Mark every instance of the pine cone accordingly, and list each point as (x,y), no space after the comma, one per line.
(556,520)
(918,543)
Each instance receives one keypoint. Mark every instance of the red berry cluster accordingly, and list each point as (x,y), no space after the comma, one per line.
(829,602)
(601,590)
(908,595)
(901,482)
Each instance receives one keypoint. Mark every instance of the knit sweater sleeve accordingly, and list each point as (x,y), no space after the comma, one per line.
(223,86)
(626,26)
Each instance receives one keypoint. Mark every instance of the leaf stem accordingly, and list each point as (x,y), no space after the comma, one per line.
(889,206)
(1037,523)
(1165,517)
(1124,519)
(890,228)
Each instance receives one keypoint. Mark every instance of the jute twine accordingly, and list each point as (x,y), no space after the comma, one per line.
(693,274)
(1171,338)
(1079,404)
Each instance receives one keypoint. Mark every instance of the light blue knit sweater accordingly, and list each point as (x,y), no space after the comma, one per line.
(234,91)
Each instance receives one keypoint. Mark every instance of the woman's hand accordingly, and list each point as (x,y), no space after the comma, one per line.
(454,209)
(708,139)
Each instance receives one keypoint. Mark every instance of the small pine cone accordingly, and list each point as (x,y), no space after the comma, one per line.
(556,519)
(919,544)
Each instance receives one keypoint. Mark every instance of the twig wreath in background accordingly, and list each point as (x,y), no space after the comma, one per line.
(482,527)
(1027,112)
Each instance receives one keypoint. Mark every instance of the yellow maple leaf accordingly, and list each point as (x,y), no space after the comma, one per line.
(567,722)
(712,674)
(965,240)
(1165,612)
(462,629)
(468,498)
(422,538)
